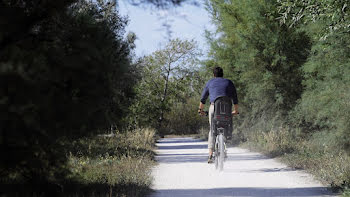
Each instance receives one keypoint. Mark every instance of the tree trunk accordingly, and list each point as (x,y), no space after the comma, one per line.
(165,92)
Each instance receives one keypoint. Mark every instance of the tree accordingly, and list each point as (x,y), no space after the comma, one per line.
(261,57)
(166,79)
(257,52)
(324,105)
(67,75)
(335,14)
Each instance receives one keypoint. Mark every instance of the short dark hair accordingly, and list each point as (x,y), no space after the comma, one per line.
(218,72)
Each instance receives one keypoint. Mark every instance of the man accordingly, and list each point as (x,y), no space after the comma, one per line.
(217,87)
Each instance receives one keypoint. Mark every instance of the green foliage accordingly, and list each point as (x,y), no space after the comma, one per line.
(335,14)
(184,119)
(121,162)
(127,144)
(168,79)
(106,165)
(325,101)
(290,63)
(346,193)
(320,156)
(262,57)
(65,72)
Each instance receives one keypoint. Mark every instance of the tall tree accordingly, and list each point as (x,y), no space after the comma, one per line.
(324,105)
(67,75)
(334,14)
(260,55)
(166,78)
(262,58)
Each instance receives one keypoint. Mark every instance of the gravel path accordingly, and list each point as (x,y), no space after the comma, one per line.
(183,171)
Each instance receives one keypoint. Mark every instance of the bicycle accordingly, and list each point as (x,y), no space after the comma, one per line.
(219,151)
(221,123)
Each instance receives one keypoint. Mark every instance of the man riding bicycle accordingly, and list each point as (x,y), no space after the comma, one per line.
(217,87)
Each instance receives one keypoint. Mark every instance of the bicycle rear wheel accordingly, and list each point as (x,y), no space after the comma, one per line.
(221,150)
(216,152)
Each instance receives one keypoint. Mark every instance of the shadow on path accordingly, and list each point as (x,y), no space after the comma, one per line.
(192,146)
(246,191)
(177,140)
(181,144)
(239,157)
(274,170)
(177,144)
(185,150)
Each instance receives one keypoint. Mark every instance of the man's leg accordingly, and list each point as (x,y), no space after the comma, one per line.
(210,135)
(210,143)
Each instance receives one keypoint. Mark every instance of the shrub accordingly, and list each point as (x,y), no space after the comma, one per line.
(184,118)
(62,73)
(118,165)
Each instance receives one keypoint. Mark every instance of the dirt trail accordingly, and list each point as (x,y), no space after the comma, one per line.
(183,171)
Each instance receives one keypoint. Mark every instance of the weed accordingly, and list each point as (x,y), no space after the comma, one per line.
(118,165)
(319,153)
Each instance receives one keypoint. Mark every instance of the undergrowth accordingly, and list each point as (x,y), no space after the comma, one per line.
(318,154)
(115,165)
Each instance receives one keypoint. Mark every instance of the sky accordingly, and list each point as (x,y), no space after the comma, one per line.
(185,22)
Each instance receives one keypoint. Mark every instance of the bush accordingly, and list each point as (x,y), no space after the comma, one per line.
(123,163)
(203,133)
(325,101)
(321,156)
(184,118)
(62,76)
(293,82)
(118,165)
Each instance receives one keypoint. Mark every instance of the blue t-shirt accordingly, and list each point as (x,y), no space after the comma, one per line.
(218,87)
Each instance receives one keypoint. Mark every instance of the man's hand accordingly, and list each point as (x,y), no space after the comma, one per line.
(235,112)
(200,109)
(201,112)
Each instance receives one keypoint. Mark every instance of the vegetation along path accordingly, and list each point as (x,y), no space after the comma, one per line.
(183,171)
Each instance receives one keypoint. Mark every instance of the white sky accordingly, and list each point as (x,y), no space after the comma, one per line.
(186,22)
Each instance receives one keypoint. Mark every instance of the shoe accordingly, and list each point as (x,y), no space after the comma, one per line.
(210,159)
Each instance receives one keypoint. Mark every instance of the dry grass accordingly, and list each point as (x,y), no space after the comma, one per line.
(121,168)
(317,154)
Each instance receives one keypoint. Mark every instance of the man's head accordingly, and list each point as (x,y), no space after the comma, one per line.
(218,72)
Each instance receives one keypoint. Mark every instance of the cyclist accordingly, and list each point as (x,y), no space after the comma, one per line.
(217,87)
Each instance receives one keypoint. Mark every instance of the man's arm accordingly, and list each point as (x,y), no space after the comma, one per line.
(235,100)
(205,94)
(235,110)
(200,108)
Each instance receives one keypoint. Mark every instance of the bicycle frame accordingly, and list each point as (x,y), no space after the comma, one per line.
(221,123)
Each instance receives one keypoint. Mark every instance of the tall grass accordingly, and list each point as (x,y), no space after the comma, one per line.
(114,165)
(318,153)
(122,163)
